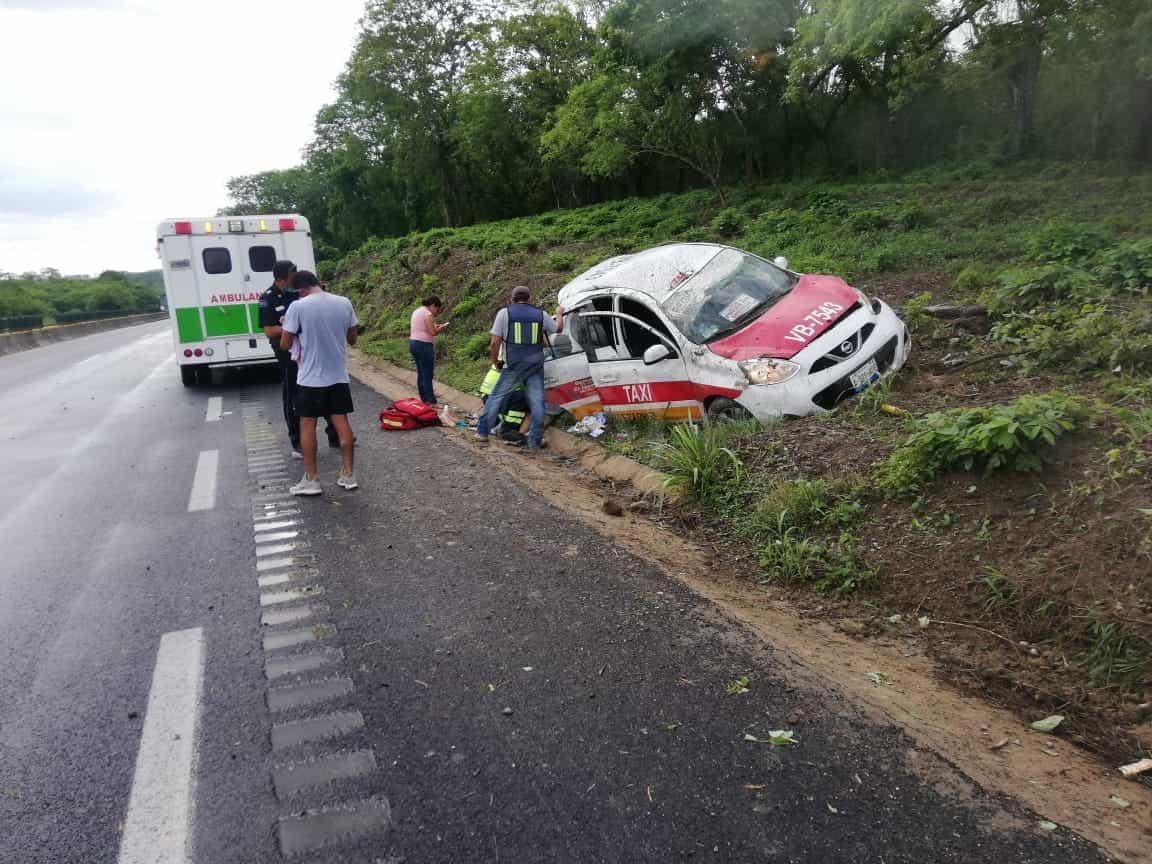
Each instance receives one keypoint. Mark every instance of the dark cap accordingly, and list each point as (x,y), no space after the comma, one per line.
(283,269)
(521,292)
(305,279)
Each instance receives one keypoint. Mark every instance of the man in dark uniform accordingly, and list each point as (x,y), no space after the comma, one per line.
(274,304)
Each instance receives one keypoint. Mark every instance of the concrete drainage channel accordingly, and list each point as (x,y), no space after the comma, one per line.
(308,694)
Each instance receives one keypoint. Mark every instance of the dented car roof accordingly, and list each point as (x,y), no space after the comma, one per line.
(656,272)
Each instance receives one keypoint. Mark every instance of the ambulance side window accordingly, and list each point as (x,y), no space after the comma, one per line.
(217,260)
(636,339)
(261,259)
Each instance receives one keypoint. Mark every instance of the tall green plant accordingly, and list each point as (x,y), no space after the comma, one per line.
(696,460)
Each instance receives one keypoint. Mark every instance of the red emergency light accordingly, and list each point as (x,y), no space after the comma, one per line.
(287,224)
(183,227)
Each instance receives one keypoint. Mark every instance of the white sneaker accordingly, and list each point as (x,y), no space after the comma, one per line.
(307,487)
(296,454)
(347,481)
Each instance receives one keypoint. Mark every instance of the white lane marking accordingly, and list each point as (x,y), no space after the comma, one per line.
(273,528)
(215,407)
(275,564)
(275,549)
(276,535)
(270,581)
(203,495)
(157,825)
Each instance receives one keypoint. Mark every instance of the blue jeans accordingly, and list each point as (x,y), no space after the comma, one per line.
(533,380)
(424,353)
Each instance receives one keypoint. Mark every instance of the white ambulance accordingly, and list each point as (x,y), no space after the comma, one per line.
(215,269)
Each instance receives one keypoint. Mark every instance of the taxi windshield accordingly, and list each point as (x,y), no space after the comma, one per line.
(729,291)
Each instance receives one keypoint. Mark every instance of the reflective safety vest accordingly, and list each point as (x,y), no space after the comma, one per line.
(525,339)
(489,382)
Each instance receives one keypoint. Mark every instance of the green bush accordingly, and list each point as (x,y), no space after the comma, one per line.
(466,307)
(975,278)
(916,319)
(1016,436)
(475,347)
(1127,268)
(1095,336)
(696,460)
(728,222)
(868,221)
(561,262)
(1067,243)
(1027,287)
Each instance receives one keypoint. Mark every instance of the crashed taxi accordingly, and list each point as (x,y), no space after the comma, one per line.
(691,330)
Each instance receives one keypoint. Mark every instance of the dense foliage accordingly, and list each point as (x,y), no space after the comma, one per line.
(50,294)
(451,112)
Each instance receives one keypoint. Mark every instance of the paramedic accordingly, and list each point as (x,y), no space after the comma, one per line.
(421,345)
(521,329)
(513,413)
(273,307)
(325,325)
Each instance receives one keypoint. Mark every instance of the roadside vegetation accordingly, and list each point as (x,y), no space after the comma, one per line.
(56,298)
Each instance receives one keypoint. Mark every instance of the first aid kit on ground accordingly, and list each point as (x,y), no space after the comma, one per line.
(406,414)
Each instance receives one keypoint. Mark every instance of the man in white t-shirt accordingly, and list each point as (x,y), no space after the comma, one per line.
(320,327)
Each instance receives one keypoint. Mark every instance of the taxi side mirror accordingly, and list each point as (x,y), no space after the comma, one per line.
(656,353)
(561,344)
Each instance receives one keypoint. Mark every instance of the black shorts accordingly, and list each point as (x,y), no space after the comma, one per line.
(323,401)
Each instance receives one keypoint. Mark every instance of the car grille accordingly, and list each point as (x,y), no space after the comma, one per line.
(850,347)
(841,389)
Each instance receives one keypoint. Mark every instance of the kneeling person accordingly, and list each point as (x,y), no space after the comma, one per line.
(324,325)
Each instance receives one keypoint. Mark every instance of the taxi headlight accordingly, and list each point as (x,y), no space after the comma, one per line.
(768,370)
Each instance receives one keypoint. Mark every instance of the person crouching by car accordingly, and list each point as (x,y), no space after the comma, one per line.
(513,415)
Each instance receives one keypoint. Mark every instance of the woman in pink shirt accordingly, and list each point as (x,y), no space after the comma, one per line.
(420,343)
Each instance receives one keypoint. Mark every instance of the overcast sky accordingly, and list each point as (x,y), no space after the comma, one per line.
(116,114)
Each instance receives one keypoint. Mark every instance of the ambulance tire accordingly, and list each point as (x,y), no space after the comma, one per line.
(721,410)
(188,375)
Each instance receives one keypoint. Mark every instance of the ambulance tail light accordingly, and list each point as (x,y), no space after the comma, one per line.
(208,352)
(287,224)
(183,227)
(198,353)
(187,352)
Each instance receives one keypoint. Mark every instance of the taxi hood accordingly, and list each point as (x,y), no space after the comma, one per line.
(813,305)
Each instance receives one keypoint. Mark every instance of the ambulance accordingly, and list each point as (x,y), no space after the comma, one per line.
(215,269)
(691,330)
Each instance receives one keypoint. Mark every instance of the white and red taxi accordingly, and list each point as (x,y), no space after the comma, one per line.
(693,329)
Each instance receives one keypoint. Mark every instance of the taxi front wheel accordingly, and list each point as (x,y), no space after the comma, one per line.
(721,410)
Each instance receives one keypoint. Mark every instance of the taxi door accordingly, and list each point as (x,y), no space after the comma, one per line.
(567,381)
(643,372)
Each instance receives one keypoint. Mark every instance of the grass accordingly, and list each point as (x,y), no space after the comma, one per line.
(696,461)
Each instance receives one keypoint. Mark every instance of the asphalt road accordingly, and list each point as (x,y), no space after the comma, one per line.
(438,667)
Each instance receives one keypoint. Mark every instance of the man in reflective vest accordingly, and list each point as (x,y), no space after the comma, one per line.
(521,329)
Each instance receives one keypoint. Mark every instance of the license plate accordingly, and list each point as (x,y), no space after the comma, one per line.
(864,376)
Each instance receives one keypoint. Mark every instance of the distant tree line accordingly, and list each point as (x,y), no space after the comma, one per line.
(456,111)
(48,293)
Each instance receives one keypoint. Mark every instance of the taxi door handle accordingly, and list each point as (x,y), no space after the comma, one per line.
(604,377)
